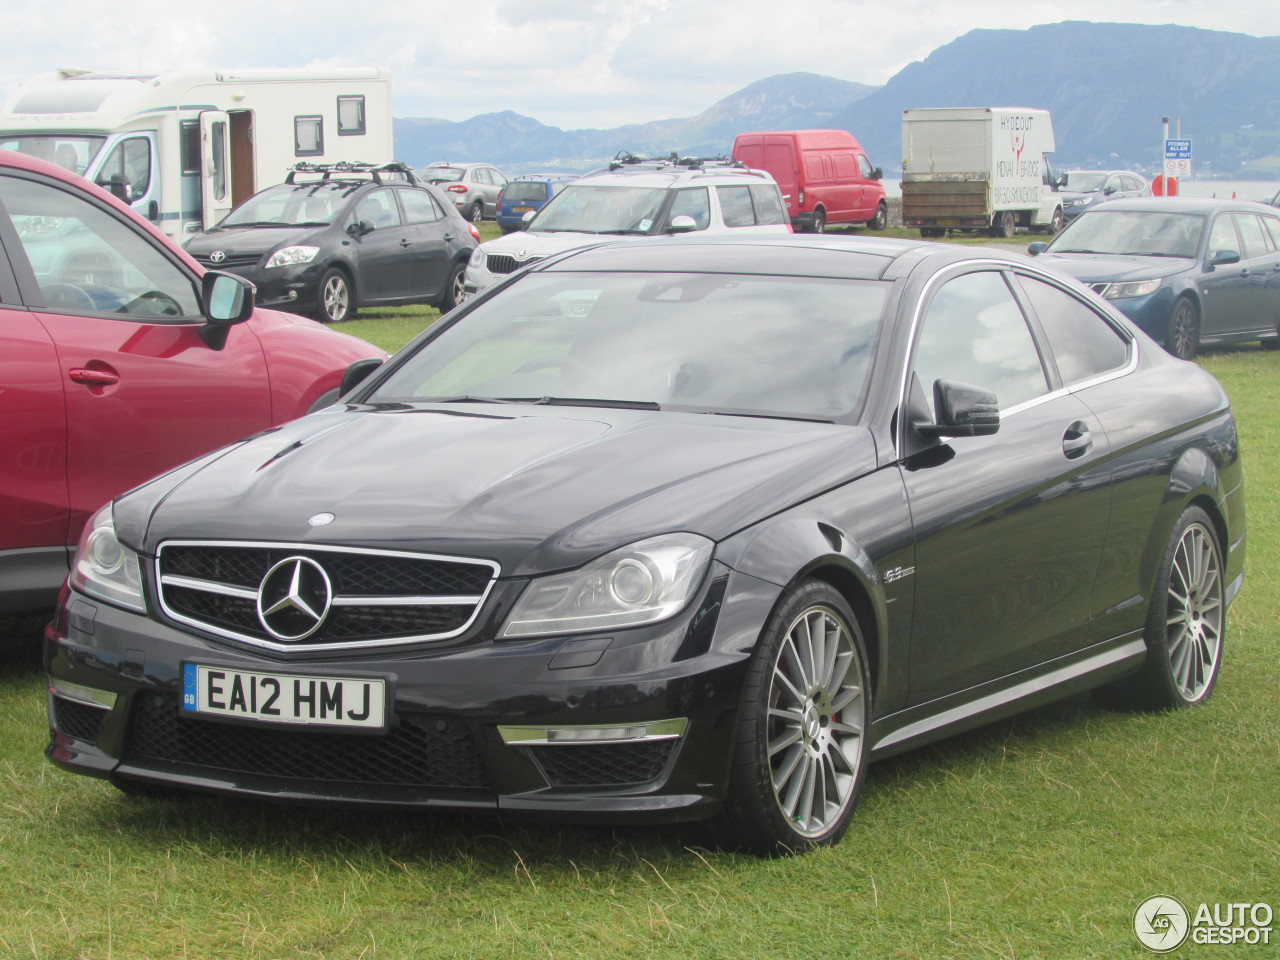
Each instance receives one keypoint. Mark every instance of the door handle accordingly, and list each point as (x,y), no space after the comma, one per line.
(1077,441)
(406,243)
(93,378)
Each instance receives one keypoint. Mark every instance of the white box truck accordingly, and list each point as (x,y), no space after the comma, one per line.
(978,168)
(184,147)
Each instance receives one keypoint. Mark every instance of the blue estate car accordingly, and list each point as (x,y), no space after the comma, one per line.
(1188,271)
(528,193)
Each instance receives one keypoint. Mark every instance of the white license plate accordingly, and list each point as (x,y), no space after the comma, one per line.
(521,209)
(284,698)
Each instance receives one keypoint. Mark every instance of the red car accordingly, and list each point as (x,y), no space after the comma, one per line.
(120,358)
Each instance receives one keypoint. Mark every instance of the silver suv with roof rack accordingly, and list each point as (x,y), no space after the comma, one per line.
(637,197)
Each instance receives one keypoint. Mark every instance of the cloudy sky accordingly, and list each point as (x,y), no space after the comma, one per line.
(571,63)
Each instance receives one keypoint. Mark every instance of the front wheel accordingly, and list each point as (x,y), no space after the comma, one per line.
(1185,624)
(1055,222)
(800,756)
(336,302)
(881,219)
(1183,338)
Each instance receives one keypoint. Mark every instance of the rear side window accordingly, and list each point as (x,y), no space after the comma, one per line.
(1273,228)
(419,206)
(1255,245)
(813,169)
(769,209)
(1083,343)
(735,206)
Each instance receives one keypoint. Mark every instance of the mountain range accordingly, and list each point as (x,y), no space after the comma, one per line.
(1107,86)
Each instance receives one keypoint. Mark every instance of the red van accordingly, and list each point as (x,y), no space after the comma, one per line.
(825,176)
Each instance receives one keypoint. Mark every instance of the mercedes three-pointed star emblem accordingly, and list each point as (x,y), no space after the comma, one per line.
(294,598)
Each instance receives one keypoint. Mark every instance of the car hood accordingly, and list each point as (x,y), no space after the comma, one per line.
(1098,268)
(534,488)
(530,244)
(242,241)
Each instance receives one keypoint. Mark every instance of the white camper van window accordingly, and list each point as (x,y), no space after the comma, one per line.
(129,162)
(86,261)
(350,116)
(308,136)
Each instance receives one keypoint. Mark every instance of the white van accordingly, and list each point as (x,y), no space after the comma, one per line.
(185,147)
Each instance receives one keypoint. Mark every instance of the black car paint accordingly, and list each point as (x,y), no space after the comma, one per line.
(783,500)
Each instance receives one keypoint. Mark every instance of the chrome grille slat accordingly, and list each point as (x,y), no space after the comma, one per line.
(379,597)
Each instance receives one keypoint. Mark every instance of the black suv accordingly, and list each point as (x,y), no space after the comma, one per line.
(333,237)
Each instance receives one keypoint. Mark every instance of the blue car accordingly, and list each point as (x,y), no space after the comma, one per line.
(1187,271)
(528,193)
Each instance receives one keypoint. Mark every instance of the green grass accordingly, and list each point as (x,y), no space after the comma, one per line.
(1031,838)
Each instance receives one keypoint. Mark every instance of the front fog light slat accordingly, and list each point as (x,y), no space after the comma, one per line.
(616,733)
(77,693)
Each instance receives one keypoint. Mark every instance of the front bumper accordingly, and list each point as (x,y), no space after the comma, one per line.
(115,688)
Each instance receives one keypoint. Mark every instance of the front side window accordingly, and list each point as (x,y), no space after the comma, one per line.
(702,343)
(129,162)
(87,262)
(378,207)
(693,202)
(308,136)
(974,333)
(350,116)
(1222,237)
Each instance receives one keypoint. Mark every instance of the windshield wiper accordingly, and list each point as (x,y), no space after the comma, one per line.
(598,402)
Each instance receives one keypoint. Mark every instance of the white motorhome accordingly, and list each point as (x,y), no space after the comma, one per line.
(978,168)
(185,147)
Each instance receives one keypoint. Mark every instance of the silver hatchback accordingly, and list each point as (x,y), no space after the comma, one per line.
(474,188)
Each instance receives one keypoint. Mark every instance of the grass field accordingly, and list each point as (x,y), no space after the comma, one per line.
(1031,838)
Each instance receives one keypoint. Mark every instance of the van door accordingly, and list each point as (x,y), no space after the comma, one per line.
(215,166)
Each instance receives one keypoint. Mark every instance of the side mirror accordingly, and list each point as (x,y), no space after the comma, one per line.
(877,173)
(359,228)
(1037,248)
(1060,180)
(683,224)
(225,299)
(962,410)
(1109,190)
(1222,257)
(527,219)
(117,185)
(356,373)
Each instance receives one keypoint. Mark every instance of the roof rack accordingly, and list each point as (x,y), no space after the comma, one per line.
(625,158)
(375,170)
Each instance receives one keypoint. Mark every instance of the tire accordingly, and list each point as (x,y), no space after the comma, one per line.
(455,288)
(477,212)
(881,219)
(1003,225)
(800,757)
(1055,222)
(1185,624)
(335,300)
(1183,338)
(819,221)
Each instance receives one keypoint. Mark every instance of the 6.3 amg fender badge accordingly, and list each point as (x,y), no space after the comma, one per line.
(294,598)
(897,573)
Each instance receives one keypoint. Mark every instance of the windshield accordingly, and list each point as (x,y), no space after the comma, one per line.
(442,174)
(292,205)
(74,153)
(1137,233)
(709,343)
(583,208)
(1084,181)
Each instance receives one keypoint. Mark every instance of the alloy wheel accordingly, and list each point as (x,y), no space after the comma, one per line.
(1195,612)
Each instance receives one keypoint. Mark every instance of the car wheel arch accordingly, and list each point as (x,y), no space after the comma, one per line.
(1195,480)
(788,552)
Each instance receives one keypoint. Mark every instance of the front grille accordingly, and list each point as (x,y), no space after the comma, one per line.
(371,597)
(501,263)
(79,721)
(424,750)
(230,260)
(605,765)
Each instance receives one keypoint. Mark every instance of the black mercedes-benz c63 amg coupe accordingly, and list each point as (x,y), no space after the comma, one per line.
(672,530)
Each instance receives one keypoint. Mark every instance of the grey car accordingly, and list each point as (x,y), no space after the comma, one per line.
(1083,190)
(474,188)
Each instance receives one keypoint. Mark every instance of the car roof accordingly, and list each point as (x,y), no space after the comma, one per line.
(670,177)
(804,255)
(1180,205)
(547,176)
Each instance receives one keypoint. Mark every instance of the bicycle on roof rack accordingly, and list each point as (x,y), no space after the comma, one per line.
(398,170)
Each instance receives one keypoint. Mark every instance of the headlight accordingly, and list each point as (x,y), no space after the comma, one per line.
(104,567)
(1078,202)
(642,583)
(477,258)
(1132,288)
(287,256)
